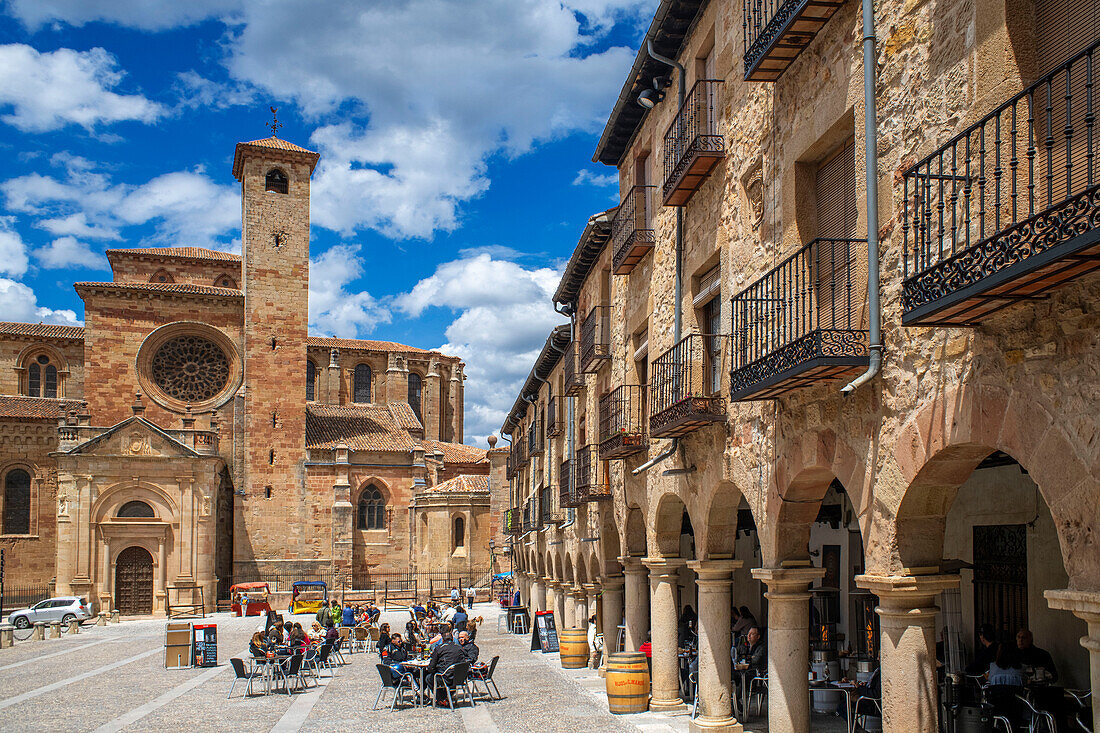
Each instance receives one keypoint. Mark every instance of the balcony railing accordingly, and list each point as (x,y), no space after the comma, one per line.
(686,389)
(566,489)
(546,507)
(512,524)
(1008,209)
(623,421)
(530,518)
(536,441)
(572,374)
(693,145)
(632,234)
(519,453)
(510,466)
(596,338)
(776,31)
(590,484)
(802,322)
(555,420)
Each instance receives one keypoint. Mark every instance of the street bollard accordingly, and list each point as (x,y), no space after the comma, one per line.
(116,617)
(7,635)
(55,629)
(39,632)
(101,619)
(74,626)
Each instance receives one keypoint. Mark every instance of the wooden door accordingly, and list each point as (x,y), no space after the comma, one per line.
(134,582)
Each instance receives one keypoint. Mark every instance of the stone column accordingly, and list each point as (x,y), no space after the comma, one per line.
(560,594)
(553,590)
(788,646)
(590,591)
(635,602)
(714,579)
(907,640)
(539,600)
(569,607)
(665,685)
(580,607)
(1085,605)
(612,615)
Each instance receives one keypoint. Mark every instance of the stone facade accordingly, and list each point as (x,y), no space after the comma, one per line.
(898,475)
(192,433)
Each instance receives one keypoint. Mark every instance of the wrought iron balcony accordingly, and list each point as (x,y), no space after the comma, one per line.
(776,31)
(555,416)
(512,524)
(536,441)
(596,338)
(566,490)
(591,484)
(1008,209)
(530,518)
(632,234)
(693,145)
(519,451)
(686,388)
(546,507)
(572,374)
(623,422)
(801,322)
(510,466)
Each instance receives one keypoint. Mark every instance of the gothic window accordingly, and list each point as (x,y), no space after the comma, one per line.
(415,393)
(276,181)
(17,502)
(190,368)
(41,377)
(362,383)
(162,276)
(136,510)
(372,509)
(311,380)
(460,532)
(224,281)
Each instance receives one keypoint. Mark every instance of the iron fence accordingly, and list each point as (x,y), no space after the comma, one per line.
(572,375)
(632,233)
(555,422)
(566,489)
(17,596)
(591,483)
(595,337)
(623,421)
(535,438)
(693,131)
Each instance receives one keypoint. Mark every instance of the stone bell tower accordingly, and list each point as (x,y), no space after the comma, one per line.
(275,177)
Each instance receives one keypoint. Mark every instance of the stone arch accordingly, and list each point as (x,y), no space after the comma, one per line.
(55,360)
(609,549)
(717,535)
(803,475)
(945,441)
(580,572)
(667,523)
(634,534)
(113,497)
(593,569)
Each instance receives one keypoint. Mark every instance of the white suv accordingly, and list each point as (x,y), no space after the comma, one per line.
(63,609)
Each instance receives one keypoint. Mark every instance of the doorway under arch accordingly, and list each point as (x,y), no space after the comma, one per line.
(134,582)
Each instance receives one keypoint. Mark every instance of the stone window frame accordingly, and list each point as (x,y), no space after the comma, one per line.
(225,280)
(159,336)
(381,507)
(32,518)
(131,503)
(458,546)
(311,381)
(418,409)
(355,386)
(161,276)
(30,356)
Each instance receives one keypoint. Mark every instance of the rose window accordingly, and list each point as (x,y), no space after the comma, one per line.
(190,368)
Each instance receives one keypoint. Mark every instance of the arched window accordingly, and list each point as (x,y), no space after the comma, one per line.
(17,502)
(136,510)
(416,389)
(162,276)
(372,509)
(311,380)
(362,383)
(276,181)
(224,281)
(460,532)
(42,377)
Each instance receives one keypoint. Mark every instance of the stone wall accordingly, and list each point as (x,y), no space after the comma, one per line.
(141,269)
(27,444)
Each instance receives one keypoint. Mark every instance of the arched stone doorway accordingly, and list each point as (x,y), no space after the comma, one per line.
(134,582)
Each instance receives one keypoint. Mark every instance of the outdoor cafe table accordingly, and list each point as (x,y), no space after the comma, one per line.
(745,672)
(419,666)
(847,688)
(268,664)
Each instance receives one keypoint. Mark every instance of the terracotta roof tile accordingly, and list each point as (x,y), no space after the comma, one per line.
(165,288)
(455,452)
(34,408)
(366,427)
(42,330)
(463,482)
(272,143)
(404,416)
(187,253)
(367,345)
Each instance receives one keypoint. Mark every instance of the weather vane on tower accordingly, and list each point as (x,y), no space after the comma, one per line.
(275,124)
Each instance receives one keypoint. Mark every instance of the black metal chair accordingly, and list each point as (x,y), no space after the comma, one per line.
(396,683)
(243,674)
(459,679)
(484,675)
(287,670)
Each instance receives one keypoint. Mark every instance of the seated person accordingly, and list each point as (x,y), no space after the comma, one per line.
(397,653)
(448,614)
(471,628)
(460,618)
(985,652)
(445,655)
(412,633)
(384,635)
(331,634)
(1034,657)
(435,641)
(257,647)
(1006,669)
(469,647)
(276,636)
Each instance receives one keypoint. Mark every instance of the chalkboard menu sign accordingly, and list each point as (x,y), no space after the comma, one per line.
(206,645)
(544,635)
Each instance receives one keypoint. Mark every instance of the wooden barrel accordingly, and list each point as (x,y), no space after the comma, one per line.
(627,683)
(573,645)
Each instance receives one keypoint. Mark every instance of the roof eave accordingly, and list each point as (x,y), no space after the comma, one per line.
(591,243)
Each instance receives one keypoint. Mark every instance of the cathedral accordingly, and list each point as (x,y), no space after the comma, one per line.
(193,433)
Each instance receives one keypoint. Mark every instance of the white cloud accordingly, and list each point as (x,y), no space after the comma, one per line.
(586,177)
(18,303)
(184,206)
(332,309)
(195,90)
(144,14)
(504,315)
(13,252)
(47,91)
(68,252)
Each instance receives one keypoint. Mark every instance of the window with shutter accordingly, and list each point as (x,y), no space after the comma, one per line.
(837,218)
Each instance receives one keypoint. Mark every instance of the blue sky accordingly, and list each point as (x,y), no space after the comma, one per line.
(456,138)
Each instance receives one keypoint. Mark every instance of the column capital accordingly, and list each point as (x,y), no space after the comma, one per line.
(555,584)
(788,583)
(663,567)
(631,564)
(714,571)
(905,592)
(1083,604)
(591,587)
(612,582)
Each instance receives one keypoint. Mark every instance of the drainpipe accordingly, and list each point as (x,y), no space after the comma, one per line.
(870,127)
(681,94)
(570,448)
